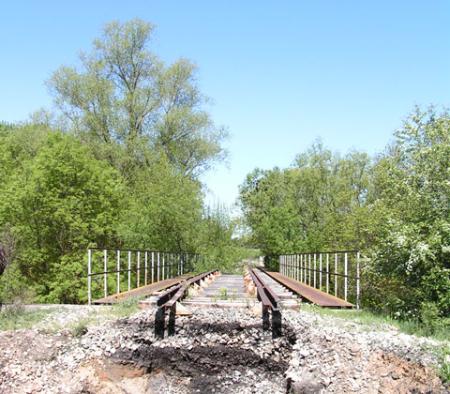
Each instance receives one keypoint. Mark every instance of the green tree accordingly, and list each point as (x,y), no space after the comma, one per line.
(62,200)
(124,93)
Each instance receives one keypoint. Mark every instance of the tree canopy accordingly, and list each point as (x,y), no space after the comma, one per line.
(124,93)
(116,165)
(394,207)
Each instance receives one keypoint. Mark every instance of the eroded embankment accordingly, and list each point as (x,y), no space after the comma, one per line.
(221,351)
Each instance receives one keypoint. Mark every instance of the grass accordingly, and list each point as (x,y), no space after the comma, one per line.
(223,293)
(439,332)
(125,308)
(15,317)
(443,356)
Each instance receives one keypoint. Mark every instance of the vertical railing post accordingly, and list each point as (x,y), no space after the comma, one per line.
(105,273)
(309,269)
(358,295)
(315,268)
(345,275)
(89,278)
(129,270)
(301,268)
(163,266)
(335,274)
(138,268)
(289,266)
(320,271)
(145,267)
(118,272)
(153,267)
(159,267)
(328,273)
(298,266)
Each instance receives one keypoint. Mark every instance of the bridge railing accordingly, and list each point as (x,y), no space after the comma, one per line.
(334,272)
(116,270)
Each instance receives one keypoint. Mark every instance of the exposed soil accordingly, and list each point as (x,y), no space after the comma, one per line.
(218,351)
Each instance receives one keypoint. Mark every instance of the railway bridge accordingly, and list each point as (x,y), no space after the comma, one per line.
(171,284)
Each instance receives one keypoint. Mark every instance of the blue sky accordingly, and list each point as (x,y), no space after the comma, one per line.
(280,73)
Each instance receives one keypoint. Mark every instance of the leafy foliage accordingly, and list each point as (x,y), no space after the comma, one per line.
(394,207)
(123,170)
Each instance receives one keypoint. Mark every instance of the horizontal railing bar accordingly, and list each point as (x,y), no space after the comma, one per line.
(329,272)
(145,250)
(125,270)
(312,253)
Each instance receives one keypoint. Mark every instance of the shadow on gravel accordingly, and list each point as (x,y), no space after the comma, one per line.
(205,366)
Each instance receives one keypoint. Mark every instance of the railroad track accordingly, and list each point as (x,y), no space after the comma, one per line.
(225,291)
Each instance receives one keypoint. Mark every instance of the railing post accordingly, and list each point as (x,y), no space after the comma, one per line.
(358,295)
(138,268)
(89,279)
(159,267)
(153,267)
(182,263)
(289,266)
(315,270)
(145,267)
(335,276)
(345,275)
(309,269)
(129,270)
(297,257)
(118,272)
(105,273)
(328,273)
(301,268)
(320,271)
(163,266)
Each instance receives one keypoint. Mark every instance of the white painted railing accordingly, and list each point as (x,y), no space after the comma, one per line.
(338,272)
(132,268)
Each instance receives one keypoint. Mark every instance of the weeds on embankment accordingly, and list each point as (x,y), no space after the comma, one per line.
(17,316)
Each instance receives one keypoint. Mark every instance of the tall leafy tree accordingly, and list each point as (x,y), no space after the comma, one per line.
(124,93)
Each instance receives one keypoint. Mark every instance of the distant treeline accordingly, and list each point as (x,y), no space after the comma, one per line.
(115,164)
(394,207)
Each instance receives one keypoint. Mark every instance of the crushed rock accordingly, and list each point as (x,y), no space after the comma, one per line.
(218,351)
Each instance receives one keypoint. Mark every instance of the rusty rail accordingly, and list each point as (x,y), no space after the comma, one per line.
(167,301)
(269,301)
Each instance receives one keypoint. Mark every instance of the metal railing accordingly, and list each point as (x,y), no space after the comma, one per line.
(335,271)
(112,270)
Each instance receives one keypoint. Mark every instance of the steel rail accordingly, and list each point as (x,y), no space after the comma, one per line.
(167,301)
(269,301)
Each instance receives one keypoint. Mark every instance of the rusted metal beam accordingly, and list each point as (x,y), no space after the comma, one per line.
(168,300)
(310,293)
(269,301)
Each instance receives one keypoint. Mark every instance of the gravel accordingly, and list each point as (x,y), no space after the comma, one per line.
(216,351)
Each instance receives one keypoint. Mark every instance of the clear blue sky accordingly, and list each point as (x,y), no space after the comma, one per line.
(280,73)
